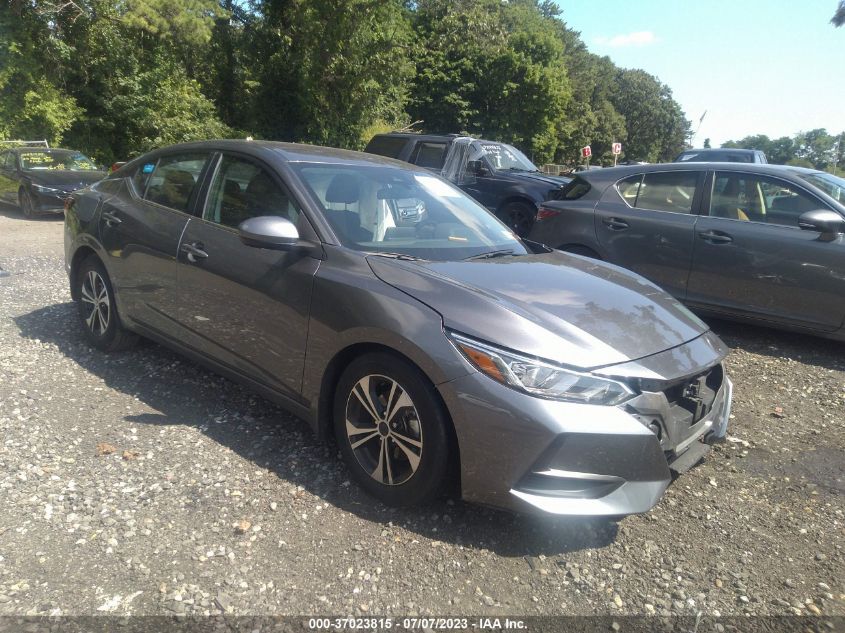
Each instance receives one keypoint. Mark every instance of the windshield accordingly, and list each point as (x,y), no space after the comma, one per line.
(57,159)
(834,186)
(393,210)
(504,157)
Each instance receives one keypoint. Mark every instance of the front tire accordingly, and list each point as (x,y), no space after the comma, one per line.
(25,203)
(391,429)
(98,310)
(519,216)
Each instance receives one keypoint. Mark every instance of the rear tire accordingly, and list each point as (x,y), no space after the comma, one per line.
(98,310)
(519,216)
(391,429)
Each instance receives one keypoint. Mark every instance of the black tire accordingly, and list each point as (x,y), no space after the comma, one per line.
(25,203)
(519,216)
(577,249)
(97,308)
(423,422)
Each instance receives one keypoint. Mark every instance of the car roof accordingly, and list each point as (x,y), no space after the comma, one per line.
(276,151)
(612,174)
(720,149)
(423,137)
(38,148)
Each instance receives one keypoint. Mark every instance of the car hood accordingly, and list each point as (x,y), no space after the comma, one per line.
(573,310)
(64,178)
(539,178)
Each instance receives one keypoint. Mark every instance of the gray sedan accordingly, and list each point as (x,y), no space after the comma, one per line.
(748,242)
(392,312)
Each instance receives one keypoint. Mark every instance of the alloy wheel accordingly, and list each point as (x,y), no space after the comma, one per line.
(97,305)
(383,429)
(25,203)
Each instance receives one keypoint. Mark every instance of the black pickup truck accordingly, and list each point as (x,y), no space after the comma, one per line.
(498,175)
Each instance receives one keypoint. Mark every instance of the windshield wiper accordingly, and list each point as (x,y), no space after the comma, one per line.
(528,171)
(402,256)
(490,254)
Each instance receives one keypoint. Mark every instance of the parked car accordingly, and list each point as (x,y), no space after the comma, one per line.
(38,179)
(497,175)
(383,305)
(722,155)
(753,242)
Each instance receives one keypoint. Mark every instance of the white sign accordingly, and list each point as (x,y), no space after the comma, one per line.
(617,148)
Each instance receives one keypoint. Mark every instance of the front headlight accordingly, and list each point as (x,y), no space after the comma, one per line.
(540,378)
(43,189)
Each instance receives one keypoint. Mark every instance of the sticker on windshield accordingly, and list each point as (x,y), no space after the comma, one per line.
(148,168)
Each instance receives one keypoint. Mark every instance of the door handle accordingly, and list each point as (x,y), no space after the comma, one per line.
(194,251)
(715,237)
(615,224)
(110,218)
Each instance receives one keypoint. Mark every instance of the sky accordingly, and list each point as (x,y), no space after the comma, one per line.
(773,67)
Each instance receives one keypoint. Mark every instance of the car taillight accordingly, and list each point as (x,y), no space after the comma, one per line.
(544,213)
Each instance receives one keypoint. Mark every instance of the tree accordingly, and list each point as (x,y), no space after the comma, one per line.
(328,69)
(492,69)
(656,126)
(838,18)
(707,143)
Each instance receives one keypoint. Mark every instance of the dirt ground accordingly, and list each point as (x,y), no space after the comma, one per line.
(141,483)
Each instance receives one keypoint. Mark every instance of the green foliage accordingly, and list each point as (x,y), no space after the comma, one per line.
(117,77)
(815,148)
(655,125)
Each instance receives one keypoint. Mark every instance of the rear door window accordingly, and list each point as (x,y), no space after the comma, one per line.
(428,154)
(390,146)
(629,188)
(174,180)
(672,191)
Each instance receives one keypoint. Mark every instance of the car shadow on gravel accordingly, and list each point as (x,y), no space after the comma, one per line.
(758,339)
(184,393)
(12,211)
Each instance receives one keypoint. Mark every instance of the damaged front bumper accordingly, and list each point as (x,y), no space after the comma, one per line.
(565,458)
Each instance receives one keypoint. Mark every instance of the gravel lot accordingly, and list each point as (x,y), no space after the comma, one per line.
(141,483)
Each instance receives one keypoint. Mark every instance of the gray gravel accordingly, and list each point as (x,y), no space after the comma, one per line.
(141,483)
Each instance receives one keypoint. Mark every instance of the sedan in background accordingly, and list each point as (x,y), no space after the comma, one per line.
(751,242)
(39,179)
(388,308)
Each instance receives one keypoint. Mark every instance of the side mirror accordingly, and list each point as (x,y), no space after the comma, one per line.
(824,221)
(476,168)
(269,231)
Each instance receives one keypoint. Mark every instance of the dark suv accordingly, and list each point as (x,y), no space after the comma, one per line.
(498,175)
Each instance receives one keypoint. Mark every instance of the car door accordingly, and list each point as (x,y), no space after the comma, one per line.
(246,307)
(751,258)
(646,223)
(478,178)
(140,227)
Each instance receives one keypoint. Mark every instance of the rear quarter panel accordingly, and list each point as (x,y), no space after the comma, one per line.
(574,225)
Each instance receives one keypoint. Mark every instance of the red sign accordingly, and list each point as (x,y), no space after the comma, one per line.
(617,148)
(586,152)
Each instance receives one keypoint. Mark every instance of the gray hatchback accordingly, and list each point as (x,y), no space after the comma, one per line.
(388,309)
(749,242)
